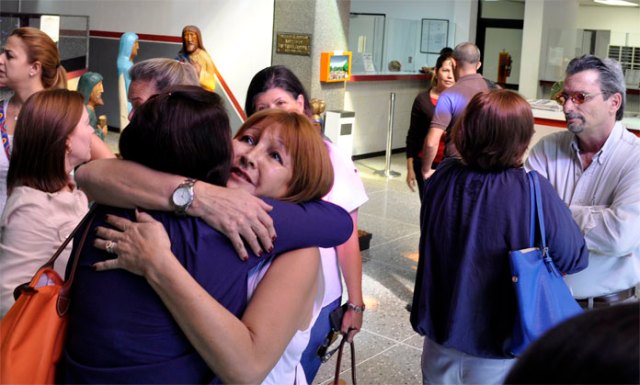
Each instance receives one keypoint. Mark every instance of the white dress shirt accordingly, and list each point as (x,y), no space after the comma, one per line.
(605,202)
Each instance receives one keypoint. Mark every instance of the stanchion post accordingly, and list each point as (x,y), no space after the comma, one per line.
(387,168)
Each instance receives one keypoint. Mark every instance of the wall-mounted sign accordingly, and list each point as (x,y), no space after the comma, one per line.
(293,43)
(435,34)
(335,66)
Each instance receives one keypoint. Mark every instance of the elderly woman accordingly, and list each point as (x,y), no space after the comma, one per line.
(473,213)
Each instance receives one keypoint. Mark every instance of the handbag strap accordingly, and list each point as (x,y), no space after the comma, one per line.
(532,205)
(536,208)
(538,195)
(62,305)
(64,244)
(336,377)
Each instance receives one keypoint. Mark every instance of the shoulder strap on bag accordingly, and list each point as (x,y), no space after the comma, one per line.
(64,244)
(27,286)
(538,202)
(62,305)
(532,216)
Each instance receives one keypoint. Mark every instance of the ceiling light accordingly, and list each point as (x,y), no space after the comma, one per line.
(621,3)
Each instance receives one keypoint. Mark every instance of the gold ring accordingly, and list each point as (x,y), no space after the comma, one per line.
(110,247)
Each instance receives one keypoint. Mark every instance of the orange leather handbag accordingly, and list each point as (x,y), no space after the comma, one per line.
(32,333)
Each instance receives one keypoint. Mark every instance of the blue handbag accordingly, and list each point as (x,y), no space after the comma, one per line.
(543,299)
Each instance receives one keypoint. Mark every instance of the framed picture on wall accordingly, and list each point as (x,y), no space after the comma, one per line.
(434,36)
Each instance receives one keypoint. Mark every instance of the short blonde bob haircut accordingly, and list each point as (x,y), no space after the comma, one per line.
(312,176)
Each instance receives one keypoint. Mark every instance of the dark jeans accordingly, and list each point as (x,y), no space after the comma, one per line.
(417,168)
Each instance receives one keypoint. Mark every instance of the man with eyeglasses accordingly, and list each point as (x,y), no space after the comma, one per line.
(595,168)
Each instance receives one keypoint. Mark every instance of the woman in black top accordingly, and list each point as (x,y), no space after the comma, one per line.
(421,114)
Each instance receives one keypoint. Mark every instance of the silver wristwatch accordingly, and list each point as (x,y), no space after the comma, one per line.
(183,196)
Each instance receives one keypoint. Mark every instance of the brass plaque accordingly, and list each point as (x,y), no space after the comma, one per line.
(293,43)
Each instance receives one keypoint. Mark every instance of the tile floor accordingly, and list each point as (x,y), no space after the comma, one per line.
(387,349)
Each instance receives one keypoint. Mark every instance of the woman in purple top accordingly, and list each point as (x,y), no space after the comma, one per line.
(120,330)
(475,210)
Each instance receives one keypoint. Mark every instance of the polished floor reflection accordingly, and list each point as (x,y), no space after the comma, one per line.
(387,349)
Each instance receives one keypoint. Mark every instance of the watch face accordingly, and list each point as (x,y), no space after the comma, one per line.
(181,196)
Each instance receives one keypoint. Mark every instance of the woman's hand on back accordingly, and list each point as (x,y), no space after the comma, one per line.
(237,214)
(140,246)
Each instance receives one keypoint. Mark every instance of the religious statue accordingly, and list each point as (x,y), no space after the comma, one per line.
(90,86)
(317,108)
(193,52)
(128,51)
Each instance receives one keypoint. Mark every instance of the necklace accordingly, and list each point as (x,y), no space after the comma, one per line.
(15,108)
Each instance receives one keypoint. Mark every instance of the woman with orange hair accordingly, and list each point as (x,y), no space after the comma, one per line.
(192,280)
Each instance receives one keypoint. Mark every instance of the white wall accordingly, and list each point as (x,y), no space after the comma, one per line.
(418,10)
(503,9)
(531,46)
(237,33)
(370,100)
(623,22)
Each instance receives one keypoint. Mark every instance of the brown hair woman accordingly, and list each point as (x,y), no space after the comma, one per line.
(53,136)
(474,211)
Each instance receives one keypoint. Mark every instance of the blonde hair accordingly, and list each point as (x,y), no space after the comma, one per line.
(312,176)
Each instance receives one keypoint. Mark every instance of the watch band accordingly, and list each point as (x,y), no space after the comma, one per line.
(356,308)
(181,209)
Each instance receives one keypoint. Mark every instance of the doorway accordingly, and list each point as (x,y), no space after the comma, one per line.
(499,38)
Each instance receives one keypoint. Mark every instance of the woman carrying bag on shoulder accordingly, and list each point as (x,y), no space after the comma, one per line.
(475,211)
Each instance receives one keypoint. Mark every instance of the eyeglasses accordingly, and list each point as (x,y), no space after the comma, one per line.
(577,97)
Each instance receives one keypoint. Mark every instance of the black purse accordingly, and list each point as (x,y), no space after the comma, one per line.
(335,320)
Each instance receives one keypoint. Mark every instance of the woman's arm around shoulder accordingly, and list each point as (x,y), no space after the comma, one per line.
(235,213)
(316,223)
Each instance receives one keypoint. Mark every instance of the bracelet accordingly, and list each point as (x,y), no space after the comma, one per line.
(356,308)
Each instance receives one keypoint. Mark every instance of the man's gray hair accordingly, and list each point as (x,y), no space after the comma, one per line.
(611,76)
(467,52)
(165,73)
